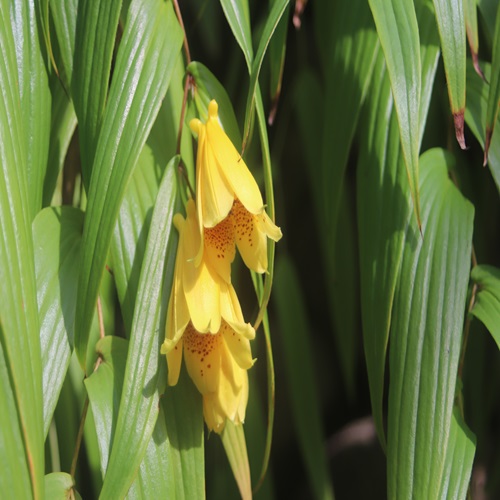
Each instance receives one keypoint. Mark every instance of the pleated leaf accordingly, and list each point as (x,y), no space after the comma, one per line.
(451,24)
(397,29)
(139,401)
(35,97)
(97,21)
(233,439)
(144,65)
(57,234)
(426,335)
(494,90)
(14,479)
(487,304)
(459,459)
(301,376)
(18,306)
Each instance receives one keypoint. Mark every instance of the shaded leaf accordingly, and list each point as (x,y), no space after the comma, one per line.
(301,376)
(57,233)
(470,13)
(397,29)
(138,87)
(451,25)
(426,333)
(487,304)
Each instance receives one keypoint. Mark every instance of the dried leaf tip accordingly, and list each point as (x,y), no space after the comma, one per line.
(458,119)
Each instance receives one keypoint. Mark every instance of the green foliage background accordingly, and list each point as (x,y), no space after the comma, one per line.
(378,364)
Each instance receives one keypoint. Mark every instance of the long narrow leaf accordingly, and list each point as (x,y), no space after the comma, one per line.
(471,28)
(18,307)
(451,24)
(35,98)
(139,400)
(97,21)
(238,16)
(56,235)
(494,92)
(397,28)
(145,61)
(426,334)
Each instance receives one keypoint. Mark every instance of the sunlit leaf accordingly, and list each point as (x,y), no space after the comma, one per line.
(60,486)
(426,332)
(138,87)
(238,16)
(18,306)
(57,235)
(139,400)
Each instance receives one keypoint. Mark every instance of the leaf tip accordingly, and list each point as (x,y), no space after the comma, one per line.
(458,119)
(487,142)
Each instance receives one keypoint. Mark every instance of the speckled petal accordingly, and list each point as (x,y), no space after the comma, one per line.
(220,248)
(174,360)
(238,346)
(202,352)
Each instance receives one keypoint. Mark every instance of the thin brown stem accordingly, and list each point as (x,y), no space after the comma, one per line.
(187,85)
(181,22)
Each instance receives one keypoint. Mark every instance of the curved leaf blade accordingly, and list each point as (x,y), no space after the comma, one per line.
(18,307)
(487,304)
(60,486)
(238,16)
(471,28)
(426,334)
(57,234)
(145,62)
(139,401)
(451,25)
(397,28)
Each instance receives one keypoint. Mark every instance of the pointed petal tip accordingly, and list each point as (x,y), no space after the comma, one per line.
(458,119)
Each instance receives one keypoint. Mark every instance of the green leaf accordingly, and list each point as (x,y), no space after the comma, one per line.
(139,401)
(233,439)
(383,207)
(97,21)
(35,98)
(138,87)
(494,92)
(104,388)
(301,376)
(18,307)
(459,459)
(470,13)
(64,17)
(238,16)
(426,334)
(277,10)
(487,304)
(14,479)
(57,234)
(397,29)
(60,486)
(183,409)
(207,88)
(451,24)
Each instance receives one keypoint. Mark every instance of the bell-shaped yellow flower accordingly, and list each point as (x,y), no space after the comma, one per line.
(217,364)
(204,320)
(225,188)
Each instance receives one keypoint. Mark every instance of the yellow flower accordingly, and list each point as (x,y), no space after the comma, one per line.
(204,320)
(225,188)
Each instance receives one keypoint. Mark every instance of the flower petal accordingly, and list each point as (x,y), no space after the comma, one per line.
(266,226)
(231,312)
(202,353)
(174,359)
(220,248)
(238,346)
(213,194)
